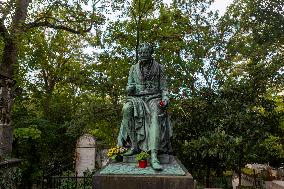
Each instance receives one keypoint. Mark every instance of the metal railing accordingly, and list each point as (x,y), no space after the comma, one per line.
(68,181)
(61,177)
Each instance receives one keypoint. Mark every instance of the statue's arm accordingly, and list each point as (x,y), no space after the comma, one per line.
(163,85)
(130,88)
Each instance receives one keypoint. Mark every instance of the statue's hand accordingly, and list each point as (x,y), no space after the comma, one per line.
(130,89)
(164,103)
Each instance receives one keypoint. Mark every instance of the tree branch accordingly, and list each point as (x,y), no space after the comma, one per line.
(43,18)
(54,26)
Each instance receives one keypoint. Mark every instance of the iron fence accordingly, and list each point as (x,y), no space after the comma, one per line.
(68,180)
(60,177)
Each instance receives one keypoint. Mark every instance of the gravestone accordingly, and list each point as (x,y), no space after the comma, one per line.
(85,154)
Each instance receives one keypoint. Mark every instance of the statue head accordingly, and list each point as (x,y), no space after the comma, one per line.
(145,52)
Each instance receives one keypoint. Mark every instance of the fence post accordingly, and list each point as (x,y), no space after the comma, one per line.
(42,180)
(68,179)
(53,182)
(76,178)
(84,179)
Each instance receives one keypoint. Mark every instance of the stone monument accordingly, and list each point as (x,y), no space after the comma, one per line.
(145,127)
(7,95)
(145,123)
(85,154)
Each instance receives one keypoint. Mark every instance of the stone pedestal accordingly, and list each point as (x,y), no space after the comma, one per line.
(129,176)
(6,139)
(276,184)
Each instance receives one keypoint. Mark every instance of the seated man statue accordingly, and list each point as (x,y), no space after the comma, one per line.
(145,123)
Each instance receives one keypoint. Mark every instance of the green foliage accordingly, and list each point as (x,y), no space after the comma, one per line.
(26,133)
(10,178)
(248,171)
(142,156)
(228,173)
(273,148)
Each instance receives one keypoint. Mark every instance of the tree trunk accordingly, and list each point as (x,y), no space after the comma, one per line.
(9,58)
(11,39)
(137,39)
(138,33)
(7,96)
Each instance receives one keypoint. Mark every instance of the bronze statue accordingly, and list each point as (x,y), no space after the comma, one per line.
(145,121)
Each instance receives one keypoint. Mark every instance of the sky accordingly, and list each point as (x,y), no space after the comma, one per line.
(221,5)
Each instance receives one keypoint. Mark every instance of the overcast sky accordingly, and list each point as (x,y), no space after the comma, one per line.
(221,5)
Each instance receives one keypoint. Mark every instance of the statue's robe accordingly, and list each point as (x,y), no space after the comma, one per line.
(149,125)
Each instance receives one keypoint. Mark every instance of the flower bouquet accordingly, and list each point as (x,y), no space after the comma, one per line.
(115,153)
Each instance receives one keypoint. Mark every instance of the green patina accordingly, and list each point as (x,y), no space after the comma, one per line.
(146,125)
(131,169)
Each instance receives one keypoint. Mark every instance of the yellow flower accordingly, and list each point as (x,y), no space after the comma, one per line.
(115,151)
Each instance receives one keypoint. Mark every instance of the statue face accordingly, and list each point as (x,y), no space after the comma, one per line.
(145,52)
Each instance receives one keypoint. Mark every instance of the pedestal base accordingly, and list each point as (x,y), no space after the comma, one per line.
(6,138)
(131,177)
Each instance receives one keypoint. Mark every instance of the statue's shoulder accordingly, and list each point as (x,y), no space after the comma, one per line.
(134,67)
(161,67)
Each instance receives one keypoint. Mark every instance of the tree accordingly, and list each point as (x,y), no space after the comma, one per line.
(20,17)
(53,72)
(234,97)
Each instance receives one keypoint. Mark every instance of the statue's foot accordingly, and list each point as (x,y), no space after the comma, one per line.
(156,164)
(131,152)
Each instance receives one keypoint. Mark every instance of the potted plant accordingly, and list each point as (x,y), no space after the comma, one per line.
(142,159)
(115,153)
